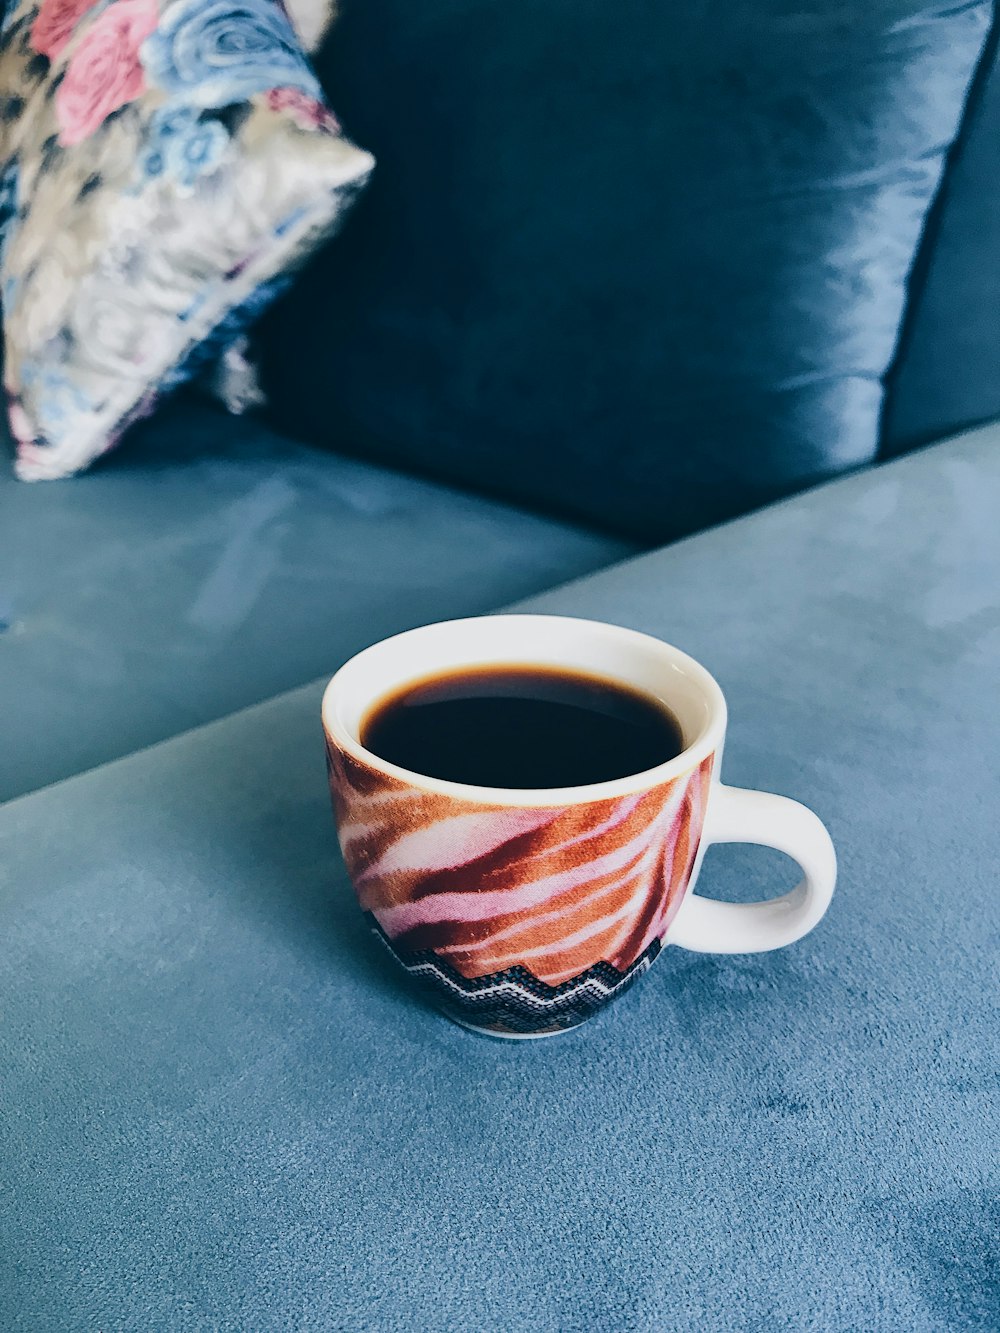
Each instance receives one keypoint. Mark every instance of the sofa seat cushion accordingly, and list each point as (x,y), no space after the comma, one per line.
(214,564)
(222,1108)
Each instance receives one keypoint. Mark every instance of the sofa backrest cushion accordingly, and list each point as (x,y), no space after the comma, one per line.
(947,371)
(642,263)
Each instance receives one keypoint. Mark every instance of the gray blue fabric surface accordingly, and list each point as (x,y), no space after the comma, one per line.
(947,374)
(221,1109)
(213,564)
(643,263)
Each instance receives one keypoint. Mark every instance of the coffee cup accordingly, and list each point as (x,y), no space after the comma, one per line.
(524,912)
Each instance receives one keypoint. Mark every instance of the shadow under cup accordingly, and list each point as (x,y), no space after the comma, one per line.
(522,912)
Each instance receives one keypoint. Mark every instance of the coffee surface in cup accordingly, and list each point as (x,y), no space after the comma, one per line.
(523,727)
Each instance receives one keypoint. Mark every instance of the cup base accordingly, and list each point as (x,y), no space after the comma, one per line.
(511,1036)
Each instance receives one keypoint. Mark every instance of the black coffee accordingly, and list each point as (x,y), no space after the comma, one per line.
(521,726)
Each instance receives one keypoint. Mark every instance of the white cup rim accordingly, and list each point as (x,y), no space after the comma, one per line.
(486,640)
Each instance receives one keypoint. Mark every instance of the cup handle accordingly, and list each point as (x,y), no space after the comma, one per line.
(706,925)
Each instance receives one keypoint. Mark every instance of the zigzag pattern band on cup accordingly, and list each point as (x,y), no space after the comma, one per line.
(514,1001)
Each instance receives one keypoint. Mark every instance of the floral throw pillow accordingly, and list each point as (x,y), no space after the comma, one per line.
(165,166)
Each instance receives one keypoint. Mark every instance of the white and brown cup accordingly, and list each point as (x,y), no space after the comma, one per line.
(525,912)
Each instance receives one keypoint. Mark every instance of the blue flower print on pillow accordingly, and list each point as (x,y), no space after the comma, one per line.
(182,145)
(9,205)
(8,195)
(215,52)
(60,399)
(8,201)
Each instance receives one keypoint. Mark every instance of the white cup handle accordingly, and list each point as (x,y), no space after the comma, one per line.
(706,925)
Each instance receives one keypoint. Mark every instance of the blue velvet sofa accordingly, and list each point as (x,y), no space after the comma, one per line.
(624,272)
(641,310)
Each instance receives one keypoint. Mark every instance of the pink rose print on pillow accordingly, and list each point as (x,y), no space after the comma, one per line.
(55,23)
(307,112)
(104,72)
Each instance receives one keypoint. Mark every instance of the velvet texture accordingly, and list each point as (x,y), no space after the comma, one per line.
(947,374)
(643,263)
(213,564)
(222,1109)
